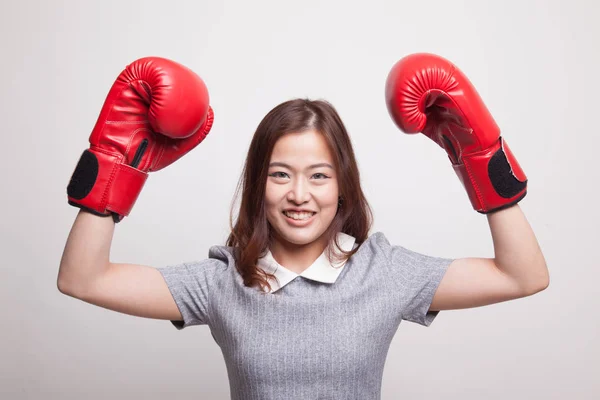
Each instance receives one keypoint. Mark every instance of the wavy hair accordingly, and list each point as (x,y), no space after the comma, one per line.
(251,234)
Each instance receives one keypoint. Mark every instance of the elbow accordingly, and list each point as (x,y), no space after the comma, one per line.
(62,286)
(69,290)
(65,285)
(546,283)
(540,284)
(546,279)
(539,287)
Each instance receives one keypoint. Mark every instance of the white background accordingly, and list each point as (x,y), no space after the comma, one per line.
(534,63)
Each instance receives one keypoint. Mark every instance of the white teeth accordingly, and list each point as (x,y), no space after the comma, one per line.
(298,215)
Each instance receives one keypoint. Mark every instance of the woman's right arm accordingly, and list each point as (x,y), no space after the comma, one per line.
(86,273)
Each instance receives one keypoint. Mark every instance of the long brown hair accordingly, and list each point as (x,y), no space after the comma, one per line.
(251,234)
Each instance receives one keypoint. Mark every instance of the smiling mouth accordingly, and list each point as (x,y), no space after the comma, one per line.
(298,216)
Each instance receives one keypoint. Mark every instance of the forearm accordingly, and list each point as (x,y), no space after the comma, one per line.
(87,251)
(516,249)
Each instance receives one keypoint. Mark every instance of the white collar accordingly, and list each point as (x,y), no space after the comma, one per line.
(321,270)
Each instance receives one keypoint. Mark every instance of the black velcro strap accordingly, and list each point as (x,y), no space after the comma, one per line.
(501,176)
(84,177)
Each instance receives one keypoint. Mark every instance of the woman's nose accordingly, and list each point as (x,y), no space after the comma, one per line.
(299,192)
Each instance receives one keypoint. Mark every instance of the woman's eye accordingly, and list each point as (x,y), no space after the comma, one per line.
(280,174)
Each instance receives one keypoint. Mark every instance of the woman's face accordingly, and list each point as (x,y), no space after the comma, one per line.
(302,188)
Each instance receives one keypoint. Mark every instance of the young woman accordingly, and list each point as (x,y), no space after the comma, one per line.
(302,300)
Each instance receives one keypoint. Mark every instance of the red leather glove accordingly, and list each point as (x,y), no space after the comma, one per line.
(428,94)
(156,111)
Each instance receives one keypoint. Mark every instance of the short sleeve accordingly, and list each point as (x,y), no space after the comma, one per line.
(191,284)
(417,276)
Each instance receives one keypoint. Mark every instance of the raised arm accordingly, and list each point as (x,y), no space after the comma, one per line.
(86,273)
(156,111)
(518,268)
(428,94)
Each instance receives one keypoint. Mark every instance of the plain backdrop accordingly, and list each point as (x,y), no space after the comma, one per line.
(534,63)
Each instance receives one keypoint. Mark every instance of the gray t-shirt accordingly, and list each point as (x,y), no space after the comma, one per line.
(309,339)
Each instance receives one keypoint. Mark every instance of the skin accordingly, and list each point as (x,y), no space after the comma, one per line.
(518,268)
(301,176)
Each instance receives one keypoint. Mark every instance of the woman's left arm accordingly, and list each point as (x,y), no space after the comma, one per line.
(427,93)
(517,270)
(516,250)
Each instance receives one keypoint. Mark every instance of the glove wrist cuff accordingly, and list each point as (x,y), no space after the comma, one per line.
(102,183)
(492,178)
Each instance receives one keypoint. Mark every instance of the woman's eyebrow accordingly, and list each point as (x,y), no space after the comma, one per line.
(282,164)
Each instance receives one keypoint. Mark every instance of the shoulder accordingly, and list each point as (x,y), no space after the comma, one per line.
(375,249)
(222,256)
(377,243)
(219,252)
(378,246)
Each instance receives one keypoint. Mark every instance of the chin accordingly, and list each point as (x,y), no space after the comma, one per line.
(298,237)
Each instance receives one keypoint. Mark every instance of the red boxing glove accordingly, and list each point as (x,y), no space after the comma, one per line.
(156,111)
(428,94)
